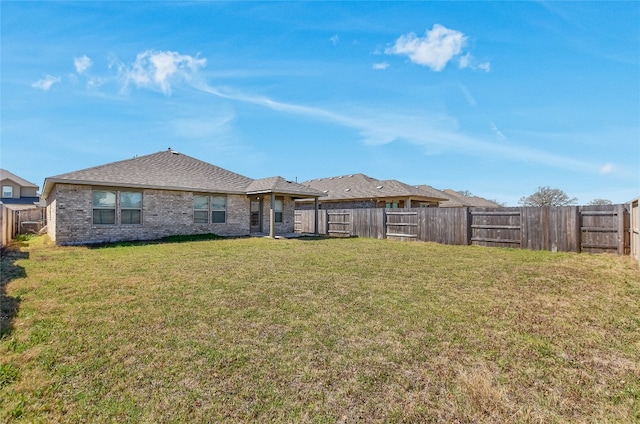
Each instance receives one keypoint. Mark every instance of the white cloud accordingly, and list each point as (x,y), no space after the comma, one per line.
(607,168)
(468,61)
(82,64)
(438,47)
(335,39)
(381,65)
(46,83)
(157,70)
(485,66)
(434,50)
(428,132)
(497,131)
(467,94)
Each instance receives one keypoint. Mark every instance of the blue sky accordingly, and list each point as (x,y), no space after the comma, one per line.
(495,98)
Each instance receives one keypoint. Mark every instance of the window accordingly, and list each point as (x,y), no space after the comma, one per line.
(7,191)
(218,209)
(130,207)
(391,205)
(202,205)
(279,208)
(104,207)
(200,209)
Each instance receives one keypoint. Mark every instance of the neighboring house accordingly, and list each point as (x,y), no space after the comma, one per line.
(17,191)
(457,200)
(360,191)
(20,208)
(162,194)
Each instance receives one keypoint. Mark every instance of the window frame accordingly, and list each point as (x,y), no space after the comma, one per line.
(216,210)
(128,208)
(279,213)
(101,208)
(205,209)
(10,187)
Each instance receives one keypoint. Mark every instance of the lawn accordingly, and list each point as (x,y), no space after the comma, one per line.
(319,331)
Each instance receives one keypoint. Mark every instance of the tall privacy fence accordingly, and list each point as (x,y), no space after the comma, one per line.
(559,229)
(21,221)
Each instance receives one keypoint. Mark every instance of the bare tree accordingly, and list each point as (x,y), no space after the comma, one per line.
(547,196)
(465,193)
(596,202)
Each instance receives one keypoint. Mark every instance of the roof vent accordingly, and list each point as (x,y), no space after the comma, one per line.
(325,191)
(340,177)
(378,187)
(351,175)
(347,189)
(331,178)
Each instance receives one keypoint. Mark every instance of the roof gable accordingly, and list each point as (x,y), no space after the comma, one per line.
(6,175)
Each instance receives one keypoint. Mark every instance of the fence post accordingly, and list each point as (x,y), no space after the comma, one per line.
(468,223)
(620,211)
(577,237)
(384,223)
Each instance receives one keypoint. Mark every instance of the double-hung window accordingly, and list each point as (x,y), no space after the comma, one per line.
(200,209)
(278,208)
(218,209)
(7,191)
(104,207)
(130,207)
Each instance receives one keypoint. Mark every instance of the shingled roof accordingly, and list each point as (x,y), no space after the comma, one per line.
(170,170)
(281,186)
(457,200)
(4,174)
(360,186)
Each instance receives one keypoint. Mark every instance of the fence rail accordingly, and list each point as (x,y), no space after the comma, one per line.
(559,229)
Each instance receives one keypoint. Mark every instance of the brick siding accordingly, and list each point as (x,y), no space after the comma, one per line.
(164,213)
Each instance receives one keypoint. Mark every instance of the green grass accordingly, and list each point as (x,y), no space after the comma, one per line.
(319,331)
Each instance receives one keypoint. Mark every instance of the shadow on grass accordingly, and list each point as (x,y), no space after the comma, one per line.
(9,271)
(164,240)
(198,237)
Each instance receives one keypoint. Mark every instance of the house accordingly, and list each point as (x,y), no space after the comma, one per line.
(17,191)
(20,208)
(457,200)
(361,191)
(163,194)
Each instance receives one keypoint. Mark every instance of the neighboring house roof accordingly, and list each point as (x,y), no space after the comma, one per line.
(457,200)
(165,170)
(4,174)
(360,186)
(281,186)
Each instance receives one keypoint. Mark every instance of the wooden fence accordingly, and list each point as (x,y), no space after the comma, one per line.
(8,220)
(559,229)
(634,232)
(20,221)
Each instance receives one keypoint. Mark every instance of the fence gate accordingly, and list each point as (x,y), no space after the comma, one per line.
(603,229)
(339,223)
(496,227)
(402,225)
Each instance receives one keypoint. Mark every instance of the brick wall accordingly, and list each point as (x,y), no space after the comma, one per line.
(164,213)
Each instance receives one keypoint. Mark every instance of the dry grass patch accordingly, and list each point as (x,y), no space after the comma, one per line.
(330,330)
